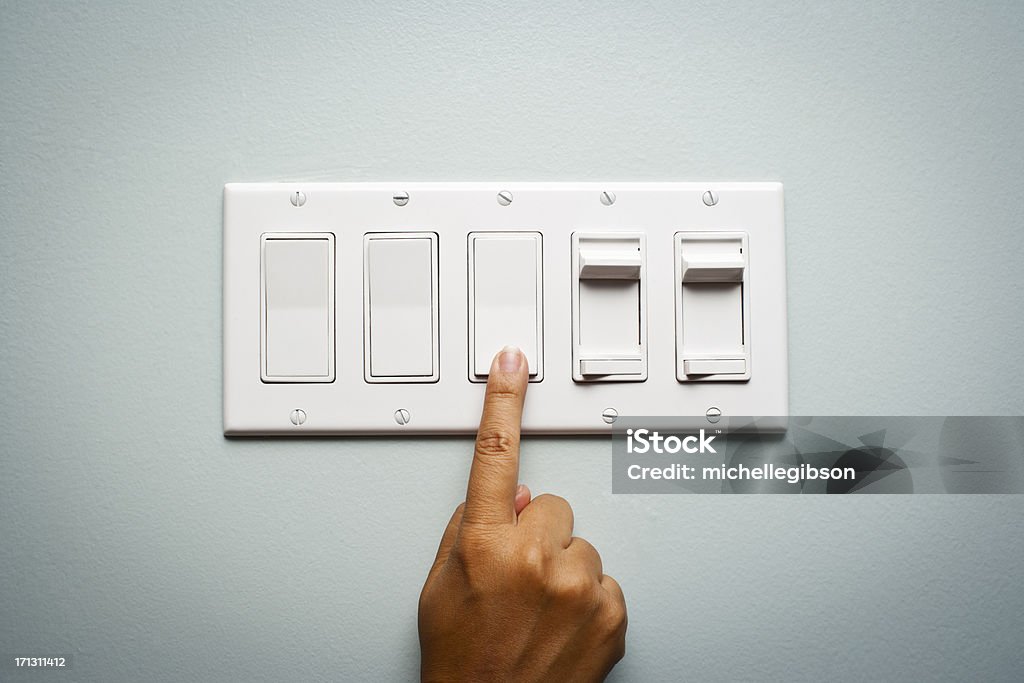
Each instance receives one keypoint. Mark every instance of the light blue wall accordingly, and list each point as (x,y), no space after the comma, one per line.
(138,539)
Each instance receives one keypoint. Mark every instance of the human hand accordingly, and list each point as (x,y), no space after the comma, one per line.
(512,594)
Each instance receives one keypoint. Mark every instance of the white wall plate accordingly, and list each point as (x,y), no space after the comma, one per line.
(372,308)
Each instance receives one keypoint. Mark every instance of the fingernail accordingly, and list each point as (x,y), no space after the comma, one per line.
(510,359)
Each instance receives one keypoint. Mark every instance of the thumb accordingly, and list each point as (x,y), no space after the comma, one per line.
(451,534)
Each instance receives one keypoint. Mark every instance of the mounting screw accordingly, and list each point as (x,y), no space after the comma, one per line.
(713,415)
(402,416)
(298,417)
(401,198)
(298,198)
(710,198)
(609,415)
(504,197)
(607,198)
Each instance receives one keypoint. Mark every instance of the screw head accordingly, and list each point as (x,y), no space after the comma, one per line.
(298,198)
(607,198)
(297,417)
(710,198)
(401,198)
(713,414)
(402,416)
(504,197)
(610,415)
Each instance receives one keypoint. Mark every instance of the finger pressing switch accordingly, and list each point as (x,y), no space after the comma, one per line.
(609,302)
(506,294)
(712,306)
(297,307)
(400,321)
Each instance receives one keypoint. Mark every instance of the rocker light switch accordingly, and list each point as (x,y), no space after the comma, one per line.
(297,309)
(506,296)
(712,307)
(609,301)
(400,307)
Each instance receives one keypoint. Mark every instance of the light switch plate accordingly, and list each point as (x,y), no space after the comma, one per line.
(448,401)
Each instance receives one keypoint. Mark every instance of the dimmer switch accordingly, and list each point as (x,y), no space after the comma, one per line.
(506,300)
(609,301)
(712,306)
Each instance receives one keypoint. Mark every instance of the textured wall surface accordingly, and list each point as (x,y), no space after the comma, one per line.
(138,539)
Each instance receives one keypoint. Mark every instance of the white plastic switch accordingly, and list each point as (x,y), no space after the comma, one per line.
(609,302)
(712,307)
(400,307)
(297,307)
(609,264)
(714,366)
(506,294)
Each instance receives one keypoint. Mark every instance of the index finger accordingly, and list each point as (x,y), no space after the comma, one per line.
(490,496)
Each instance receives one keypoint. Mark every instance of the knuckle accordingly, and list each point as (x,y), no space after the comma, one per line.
(552,499)
(495,440)
(613,617)
(556,502)
(472,544)
(534,562)
(577,589)
(501,393)
(476,560)
(586,548)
